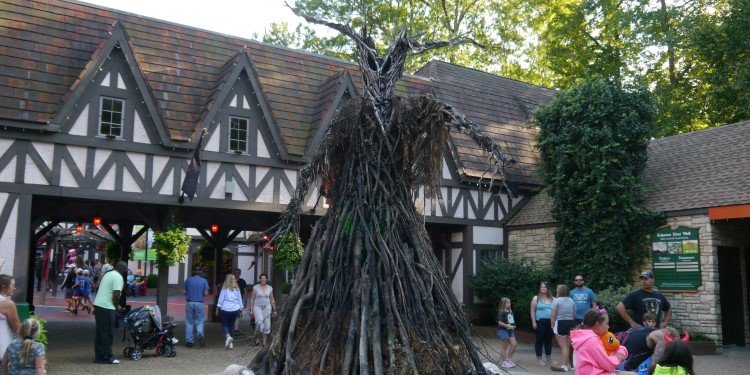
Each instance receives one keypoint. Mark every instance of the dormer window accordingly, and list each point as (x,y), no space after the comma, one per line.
(111,117)
(238,131)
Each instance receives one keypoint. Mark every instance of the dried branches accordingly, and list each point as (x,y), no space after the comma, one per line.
(369,294)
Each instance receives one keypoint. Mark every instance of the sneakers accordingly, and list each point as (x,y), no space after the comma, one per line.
(563,368)
(231,345)
(201,340)
(228,343)
(188,344)
(508,363)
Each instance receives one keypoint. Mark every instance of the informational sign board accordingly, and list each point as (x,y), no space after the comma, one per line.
(141,254)
(676,256)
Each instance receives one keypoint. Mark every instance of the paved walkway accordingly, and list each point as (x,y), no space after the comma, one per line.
(71,349)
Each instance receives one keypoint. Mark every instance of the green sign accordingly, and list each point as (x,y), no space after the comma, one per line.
(676,255)
(140,254)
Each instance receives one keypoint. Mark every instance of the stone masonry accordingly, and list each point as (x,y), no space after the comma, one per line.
(537,245)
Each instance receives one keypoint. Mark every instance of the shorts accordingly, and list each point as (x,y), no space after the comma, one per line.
(68,293)
(563,327)
(504,334)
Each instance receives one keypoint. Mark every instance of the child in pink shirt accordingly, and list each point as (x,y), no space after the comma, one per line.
(591,358)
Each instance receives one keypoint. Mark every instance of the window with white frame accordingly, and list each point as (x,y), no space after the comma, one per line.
(238,129)
(111,117)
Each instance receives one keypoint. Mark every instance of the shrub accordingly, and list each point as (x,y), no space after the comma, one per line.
(286,288)
(516,279)
(153,280)
(608,299)
(42,331)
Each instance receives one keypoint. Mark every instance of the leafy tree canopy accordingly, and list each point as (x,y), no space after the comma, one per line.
(593,141)
(689,54)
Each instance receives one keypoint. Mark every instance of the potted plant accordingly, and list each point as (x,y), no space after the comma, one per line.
(171,245)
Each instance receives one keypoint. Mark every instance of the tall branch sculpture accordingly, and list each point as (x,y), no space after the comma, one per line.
(369,295)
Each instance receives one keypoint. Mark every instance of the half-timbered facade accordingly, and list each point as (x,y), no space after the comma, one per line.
(100,111)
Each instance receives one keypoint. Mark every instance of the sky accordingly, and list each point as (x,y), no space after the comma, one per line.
(234,17)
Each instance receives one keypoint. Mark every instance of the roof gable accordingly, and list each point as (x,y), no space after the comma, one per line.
(115,46)
(230,74)
(333,92)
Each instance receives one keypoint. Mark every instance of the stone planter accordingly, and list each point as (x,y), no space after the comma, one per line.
(702,347)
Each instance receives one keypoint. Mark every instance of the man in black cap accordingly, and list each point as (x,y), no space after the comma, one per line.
(645,300)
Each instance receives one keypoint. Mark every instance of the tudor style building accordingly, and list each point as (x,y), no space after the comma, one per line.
(100,110)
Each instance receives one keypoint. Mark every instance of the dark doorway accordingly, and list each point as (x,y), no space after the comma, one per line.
(730,294)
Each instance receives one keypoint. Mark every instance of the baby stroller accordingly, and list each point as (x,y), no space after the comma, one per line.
(148,333)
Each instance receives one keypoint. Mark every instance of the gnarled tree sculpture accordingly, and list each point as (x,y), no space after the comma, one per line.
(369,295)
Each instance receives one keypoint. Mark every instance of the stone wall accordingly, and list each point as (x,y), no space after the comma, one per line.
(536,244)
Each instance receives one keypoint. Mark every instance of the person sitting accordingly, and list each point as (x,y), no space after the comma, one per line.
(677,360)
(591,357)
(646,344)
(24,355)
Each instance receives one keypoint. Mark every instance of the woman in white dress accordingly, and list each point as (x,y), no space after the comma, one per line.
(263,305)
(9,322)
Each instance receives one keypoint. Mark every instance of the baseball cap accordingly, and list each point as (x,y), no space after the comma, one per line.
(646,275)
(85,272)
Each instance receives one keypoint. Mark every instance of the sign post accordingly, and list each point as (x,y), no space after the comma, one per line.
(676,257)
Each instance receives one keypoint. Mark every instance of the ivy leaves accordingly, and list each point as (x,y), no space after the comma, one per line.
(593,141)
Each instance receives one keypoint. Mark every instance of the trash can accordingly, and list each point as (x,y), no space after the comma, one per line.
(23,311)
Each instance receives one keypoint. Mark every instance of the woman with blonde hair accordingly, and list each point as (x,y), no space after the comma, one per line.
(9,322)
(562,318)
(230,305)
(25,356)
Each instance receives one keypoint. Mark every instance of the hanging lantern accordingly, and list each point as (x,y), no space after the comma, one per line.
(214,228)
(79,228)
(97,221)
(265,238)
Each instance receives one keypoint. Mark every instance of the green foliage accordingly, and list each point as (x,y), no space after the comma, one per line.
(172,244)
(608,299)
(153,280)
(112,252)
(288,250)
(286,288)
(434,19)
(205,255)
(720,41)
(42,330)
(593,141)
(516,279)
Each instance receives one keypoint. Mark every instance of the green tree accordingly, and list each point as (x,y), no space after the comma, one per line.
(434,19)
(720,39)
(593,141)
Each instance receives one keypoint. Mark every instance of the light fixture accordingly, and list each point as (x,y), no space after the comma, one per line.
(97,220)
(79,228)
(214,228)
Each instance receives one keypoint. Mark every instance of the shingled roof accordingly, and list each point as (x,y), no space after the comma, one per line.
(502,107)
(698,170)
(46,45)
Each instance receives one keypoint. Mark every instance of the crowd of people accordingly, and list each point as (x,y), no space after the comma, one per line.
(578,324)
(232,301)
